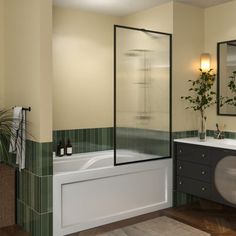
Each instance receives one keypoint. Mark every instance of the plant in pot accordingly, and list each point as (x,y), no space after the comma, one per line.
(202,97)
(6,132)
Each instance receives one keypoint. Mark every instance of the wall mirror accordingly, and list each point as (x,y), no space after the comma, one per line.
(226,84)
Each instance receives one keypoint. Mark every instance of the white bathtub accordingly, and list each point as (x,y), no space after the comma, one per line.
(88,191)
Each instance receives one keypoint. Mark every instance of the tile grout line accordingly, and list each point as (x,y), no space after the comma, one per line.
(44,213)
(40,176)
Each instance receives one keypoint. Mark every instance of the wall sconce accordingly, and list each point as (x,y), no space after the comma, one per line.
(205,62)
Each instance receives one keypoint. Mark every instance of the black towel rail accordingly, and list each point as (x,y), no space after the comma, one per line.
(25,108)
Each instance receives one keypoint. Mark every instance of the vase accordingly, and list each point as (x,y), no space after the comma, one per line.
(202,126)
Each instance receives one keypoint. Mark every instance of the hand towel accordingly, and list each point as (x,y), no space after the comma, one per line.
(17,141)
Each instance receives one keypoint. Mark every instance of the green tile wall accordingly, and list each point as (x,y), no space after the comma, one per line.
(34,190)
(147,141)
(184,134)
(85,140)
(33,222)
(231,135)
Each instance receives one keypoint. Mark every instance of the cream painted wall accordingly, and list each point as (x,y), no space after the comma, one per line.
(186,23)
(195,30)
(219,26)
(28,62)
(188,44)
(83,69)
(46,76)
(2,52)
(158,18)
(83,63)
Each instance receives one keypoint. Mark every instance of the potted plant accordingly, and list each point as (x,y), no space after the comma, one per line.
(6,132)
(202,98)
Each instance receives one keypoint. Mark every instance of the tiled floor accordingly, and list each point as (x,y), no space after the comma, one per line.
(210,217)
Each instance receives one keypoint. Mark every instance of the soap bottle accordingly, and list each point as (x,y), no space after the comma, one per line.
(58,150)
(69,149)
(61,149)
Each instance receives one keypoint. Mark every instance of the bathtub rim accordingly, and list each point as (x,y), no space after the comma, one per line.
(89,155)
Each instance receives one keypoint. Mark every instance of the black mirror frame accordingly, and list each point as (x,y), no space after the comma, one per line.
(218,79)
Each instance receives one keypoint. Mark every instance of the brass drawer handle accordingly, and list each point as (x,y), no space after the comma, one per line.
(180,167)
(203,189)
(203,155)
(180,151)
(180,183)
(203,172)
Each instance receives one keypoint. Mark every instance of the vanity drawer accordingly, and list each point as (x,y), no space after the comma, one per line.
(193,153)
(194,171)
(194,187)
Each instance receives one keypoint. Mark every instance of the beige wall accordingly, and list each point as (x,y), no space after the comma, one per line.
(188,44)
(158,18)
(194,29)
(220,26)
(186,23)
(83,69)
(2,51)
(28,62)
(130,99)
(83,63)
(46,77)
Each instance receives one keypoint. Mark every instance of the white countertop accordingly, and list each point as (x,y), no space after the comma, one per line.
(210,142)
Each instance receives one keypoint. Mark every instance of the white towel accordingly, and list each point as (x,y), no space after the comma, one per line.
(17,142)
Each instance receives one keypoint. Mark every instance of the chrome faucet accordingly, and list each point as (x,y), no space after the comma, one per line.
(219,133)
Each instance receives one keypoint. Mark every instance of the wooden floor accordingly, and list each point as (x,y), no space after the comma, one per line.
(218,220)
(215,219)
(14,230)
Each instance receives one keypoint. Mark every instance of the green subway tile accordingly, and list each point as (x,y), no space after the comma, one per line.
(86,140)
(46,224)
(34,189)
(34,223)
(19,216)
(47,161)
(83,136)
(38,154)
(79,141)
(45,194)
(108,138)
(37,194)
(96,138)
(100,147)
(92,140)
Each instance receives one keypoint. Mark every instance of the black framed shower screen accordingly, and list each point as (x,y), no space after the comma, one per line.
(142,95)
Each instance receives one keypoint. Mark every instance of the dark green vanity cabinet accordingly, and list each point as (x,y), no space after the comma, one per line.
(195,170)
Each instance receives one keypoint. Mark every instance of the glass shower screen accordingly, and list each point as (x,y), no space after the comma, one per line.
(142,95)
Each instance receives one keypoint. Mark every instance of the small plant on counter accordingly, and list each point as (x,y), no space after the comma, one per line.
(202,98)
